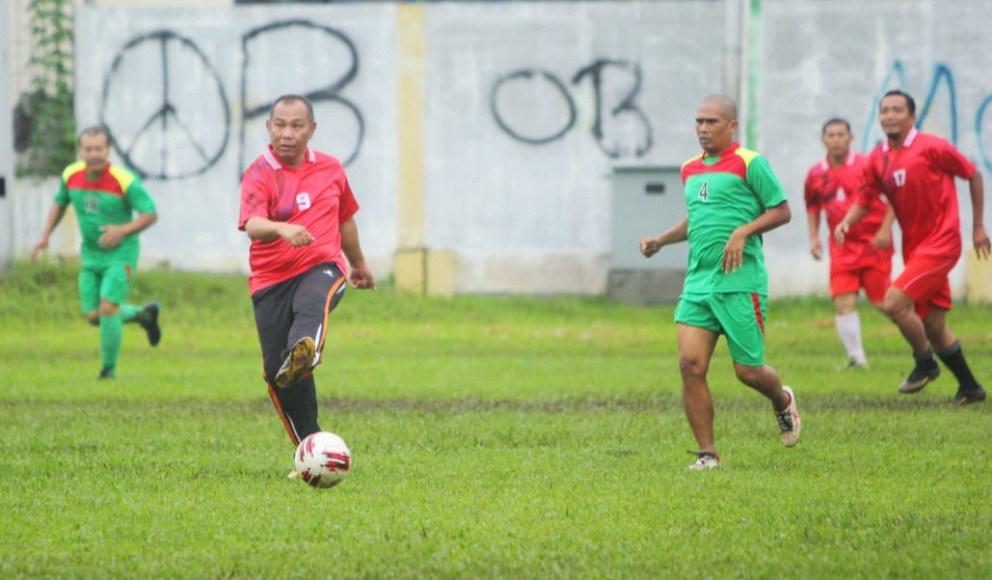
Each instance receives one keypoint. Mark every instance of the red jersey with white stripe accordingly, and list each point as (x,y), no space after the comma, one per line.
(316,196)
(918,180)
(833,190)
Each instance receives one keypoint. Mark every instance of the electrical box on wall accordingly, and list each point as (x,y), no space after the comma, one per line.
(646,201)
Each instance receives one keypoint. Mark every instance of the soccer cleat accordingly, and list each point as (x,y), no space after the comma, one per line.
(965,397)
(854,365)
(704,460)
(297,363)
(106,373)
(149,321)
(918,379)
(788,421)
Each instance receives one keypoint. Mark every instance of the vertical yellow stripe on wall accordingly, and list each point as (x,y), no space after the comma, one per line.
(410,264)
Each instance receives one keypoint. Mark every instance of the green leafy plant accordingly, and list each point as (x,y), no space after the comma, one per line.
(49,104)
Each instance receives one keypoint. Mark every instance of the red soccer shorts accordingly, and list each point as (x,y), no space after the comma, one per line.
(925,281)
(874,278)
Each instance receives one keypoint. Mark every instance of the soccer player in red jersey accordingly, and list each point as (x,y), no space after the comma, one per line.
(865,259)
(298,210)
(916,172)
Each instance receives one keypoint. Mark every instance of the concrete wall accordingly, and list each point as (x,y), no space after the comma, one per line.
(186,93)
(480,138)
(510,117)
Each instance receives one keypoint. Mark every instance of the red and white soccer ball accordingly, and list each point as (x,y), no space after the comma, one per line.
(322,459)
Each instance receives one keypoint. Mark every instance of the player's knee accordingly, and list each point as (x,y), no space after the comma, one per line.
(750,376)
(895,309)
(692,366)
(93,318)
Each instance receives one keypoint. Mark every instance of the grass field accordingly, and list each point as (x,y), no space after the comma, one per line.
(492,437)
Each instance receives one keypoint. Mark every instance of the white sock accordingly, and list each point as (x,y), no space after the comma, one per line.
(849,330)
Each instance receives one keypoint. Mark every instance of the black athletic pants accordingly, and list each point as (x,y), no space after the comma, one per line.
(284,313)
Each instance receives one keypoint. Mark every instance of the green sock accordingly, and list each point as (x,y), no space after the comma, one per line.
(111,329)
(129,312)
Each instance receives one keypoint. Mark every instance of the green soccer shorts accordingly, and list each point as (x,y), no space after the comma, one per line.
(111,282)
(740,316)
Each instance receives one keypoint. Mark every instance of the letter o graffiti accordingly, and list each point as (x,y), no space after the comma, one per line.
(532,74)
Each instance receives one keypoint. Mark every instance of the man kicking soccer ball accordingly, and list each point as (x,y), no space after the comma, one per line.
(298,210)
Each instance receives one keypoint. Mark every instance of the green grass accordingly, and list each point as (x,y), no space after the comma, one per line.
(492,437)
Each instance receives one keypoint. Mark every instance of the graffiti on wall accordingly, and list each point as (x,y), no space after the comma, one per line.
(937,111)
(330,93)
(620,127)
(165,130)
(180,125)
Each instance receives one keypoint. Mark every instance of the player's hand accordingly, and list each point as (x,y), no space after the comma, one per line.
(39,248)
(111,238)
(361,277)
(840,232)
(882,240)
(982,245)
(295,235)
(816,249)
(733,252)
(650,246)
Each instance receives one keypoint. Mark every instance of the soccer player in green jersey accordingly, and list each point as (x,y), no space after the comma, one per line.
(105,199)
(732,198)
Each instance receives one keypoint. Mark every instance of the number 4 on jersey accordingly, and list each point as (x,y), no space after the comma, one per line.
(704,193)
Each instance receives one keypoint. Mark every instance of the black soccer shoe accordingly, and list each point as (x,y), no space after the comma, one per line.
(106,373)
(149,321)
(918,379)
(965,397)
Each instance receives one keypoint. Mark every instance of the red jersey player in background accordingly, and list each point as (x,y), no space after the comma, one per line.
(916,172)
(865,258)
(298,210)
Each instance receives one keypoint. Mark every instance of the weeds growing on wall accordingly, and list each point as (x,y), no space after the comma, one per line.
(48,106)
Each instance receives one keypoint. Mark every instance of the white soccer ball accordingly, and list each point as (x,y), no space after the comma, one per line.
(322,459)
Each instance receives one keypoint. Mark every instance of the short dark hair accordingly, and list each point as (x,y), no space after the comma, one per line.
(910,103)
(94,130)
(291,98)
(835,121)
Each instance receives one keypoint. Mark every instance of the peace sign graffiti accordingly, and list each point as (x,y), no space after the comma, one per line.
(179,127)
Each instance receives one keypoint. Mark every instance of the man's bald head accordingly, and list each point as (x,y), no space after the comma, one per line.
(716,122)
(727,106)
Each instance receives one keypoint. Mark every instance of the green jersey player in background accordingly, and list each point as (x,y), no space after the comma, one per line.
(105,199)
(732,197)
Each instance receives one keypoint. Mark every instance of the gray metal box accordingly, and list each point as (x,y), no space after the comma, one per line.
(646,200)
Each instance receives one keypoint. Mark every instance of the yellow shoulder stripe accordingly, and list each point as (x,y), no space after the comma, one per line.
(123,177)
(72,169)
(746,154)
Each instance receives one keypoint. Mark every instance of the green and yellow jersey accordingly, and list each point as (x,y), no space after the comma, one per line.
(723,193)
(110,198)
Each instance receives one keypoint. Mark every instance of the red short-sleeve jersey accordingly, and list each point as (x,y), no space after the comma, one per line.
(316,196)
(832,190)
(918,180)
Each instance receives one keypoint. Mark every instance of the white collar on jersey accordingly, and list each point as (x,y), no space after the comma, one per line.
(905,142)
(825,162)
(274,161)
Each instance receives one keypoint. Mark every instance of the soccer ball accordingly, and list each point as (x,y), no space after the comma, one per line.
(322,459)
